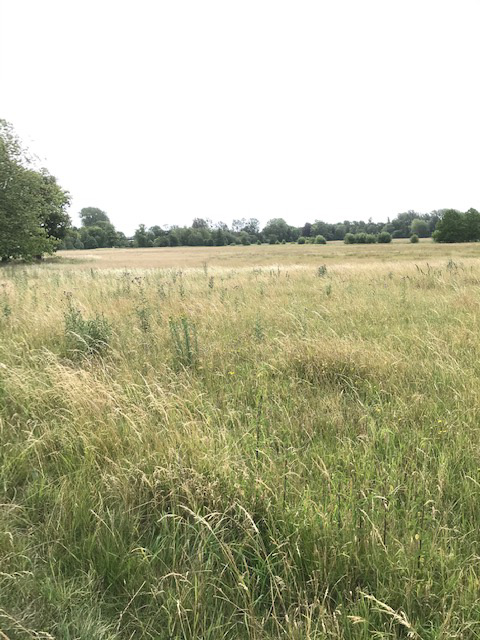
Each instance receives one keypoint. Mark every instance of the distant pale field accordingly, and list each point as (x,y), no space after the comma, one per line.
(241,443)
(238,256)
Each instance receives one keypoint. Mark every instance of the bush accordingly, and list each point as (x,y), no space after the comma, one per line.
(91,243)
(301,240)
(85,337)
(384,237)
(320,240)
(161,241)
(414,238)
(349,238)
(78,245)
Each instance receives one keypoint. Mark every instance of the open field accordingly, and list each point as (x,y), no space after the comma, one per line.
(241,442)
(255,255)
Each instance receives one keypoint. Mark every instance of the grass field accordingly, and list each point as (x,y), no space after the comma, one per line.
(242,442)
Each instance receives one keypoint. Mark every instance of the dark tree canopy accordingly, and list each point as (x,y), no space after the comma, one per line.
(91,216)
(32,205)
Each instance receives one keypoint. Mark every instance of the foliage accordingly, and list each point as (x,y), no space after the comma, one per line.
(414,238)
(420,228)
(93,217)
(455,226)
(384,237)
(32,205)
(320,240)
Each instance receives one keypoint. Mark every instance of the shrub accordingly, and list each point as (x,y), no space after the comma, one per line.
(320,240)
(161,241)
(91,243)
(414,238)
(85,337)
(301,240)
(384,237)
(349,238)
(360,238)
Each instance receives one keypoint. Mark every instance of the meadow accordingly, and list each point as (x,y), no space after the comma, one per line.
(241,443)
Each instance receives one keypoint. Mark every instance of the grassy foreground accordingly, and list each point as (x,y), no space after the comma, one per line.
(254,452)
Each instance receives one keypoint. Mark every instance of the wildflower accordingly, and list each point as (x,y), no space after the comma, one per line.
(231,373)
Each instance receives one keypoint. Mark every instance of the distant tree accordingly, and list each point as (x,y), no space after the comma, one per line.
(91,216)
(472,225)
(384,237)
(90,242)
(306,230)
(420,228)
(277,229)
(340,231)
(349,238)
(320,239)
(141,237)
(199,223)
(252,227)
(238,225)
(451,227)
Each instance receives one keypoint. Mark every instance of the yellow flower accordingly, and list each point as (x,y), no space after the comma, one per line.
(231,373)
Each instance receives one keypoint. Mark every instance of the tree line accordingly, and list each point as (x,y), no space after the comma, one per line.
(96,230)
(34,219)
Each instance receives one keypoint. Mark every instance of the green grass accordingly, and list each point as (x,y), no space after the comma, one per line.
(260,452)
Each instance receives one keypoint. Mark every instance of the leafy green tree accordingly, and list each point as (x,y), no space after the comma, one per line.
(420,228)
(91,216)
(306,230)
(32,205)
(451,227)
(219,237)
(200,223)
(277,229)
(90,242)
(472,225)
(141,236)
(384,237)
(252,227)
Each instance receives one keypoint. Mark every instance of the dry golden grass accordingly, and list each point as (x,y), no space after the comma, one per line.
(256,449)
(264,255)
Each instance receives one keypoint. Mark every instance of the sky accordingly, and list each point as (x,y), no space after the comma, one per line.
(159,111)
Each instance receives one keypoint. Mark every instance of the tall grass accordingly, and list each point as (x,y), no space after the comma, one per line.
(265,454)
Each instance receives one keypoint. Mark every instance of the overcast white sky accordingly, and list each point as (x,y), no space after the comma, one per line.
(160,111)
